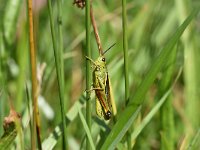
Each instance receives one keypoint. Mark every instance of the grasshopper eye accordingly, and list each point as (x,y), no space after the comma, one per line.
(103,59)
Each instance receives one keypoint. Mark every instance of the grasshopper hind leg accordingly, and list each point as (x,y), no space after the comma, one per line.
(99,110)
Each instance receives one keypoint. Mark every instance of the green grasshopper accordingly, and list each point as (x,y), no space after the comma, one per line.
(101,85)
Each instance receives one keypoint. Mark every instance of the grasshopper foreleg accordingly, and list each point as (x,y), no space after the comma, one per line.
(91,60)
(100,89)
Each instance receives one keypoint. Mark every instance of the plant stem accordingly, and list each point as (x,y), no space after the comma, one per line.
(125,48)
(191,70)
(2,75)
(58,55)
(88,71)
(96,31)
(167,116)
(36,122)
(61,78)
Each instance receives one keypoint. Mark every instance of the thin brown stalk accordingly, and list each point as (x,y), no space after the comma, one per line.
(36,122)
(96,31)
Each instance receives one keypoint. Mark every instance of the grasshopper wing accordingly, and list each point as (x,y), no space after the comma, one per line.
(107,91)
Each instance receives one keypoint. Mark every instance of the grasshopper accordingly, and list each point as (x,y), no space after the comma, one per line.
(101,85)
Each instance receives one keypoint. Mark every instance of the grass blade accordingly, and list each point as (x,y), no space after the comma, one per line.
(195,142)
(50,142)
(167,114)
(10,19)
(125,49)
(126,126)
(60,65)
(58,55)
(88,70)
(137,99)
(191,69)
(87,130)
(150,115)
(126,68)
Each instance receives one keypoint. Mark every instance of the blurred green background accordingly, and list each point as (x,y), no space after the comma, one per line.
(150,26)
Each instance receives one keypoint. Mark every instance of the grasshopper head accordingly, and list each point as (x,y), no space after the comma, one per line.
(101,62)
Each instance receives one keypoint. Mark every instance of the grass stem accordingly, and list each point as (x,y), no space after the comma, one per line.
(167,116)
(88,69)
(96,31)
(126,71)
(61,78)
(125,49)
(58,55)
(36,121)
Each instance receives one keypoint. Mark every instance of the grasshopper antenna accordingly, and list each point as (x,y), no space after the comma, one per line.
(109,48)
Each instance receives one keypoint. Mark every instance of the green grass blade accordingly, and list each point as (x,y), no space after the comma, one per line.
(126,126)
(88,69)
(23,65)
(2,79)
(191,69)
(125,49)
(126,66)
(58,55)
(167,113)
(10,19)
(60,65)
(195,142)
(150,115)
(87,130)
(50,142)
(160,61)
(137,99)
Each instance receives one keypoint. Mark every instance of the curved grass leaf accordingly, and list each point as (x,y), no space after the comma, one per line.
(125,118)
(127,124)
(50,142)
(150,115)
(195,142)
(87,130)
(58,54)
